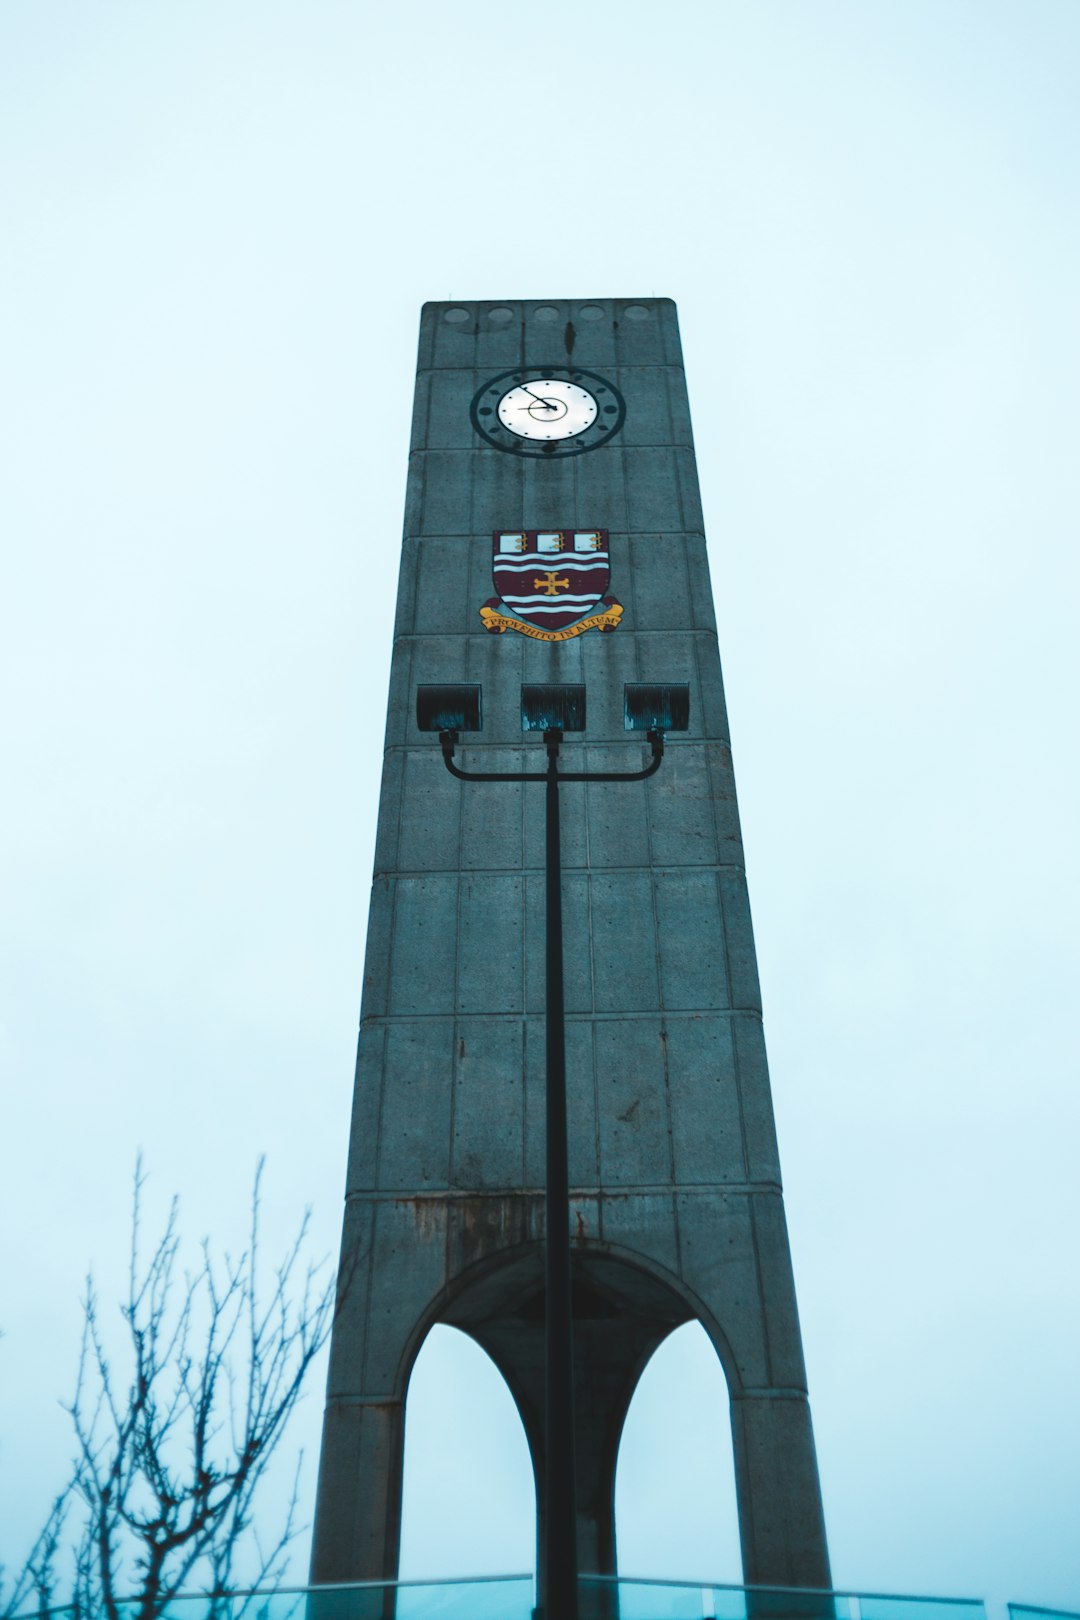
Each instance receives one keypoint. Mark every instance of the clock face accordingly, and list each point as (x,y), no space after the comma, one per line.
(548,411)
(547,408)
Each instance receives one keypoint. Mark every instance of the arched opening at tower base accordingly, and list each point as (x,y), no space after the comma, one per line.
(625,1305)
(623,1310)
(676,1513)
(469,1500)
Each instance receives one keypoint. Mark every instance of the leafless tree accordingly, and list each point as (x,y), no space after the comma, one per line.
(36,1582)
(171,1449)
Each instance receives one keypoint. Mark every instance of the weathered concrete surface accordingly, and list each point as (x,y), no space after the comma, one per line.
(678,1212)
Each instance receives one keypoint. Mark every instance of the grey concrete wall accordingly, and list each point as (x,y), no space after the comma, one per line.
(673,1162)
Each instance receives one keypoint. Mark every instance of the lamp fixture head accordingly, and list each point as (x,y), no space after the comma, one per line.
(656,708)
(449,708)
(553,708)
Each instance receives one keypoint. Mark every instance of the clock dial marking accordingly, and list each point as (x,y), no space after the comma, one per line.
(547,411)
(547,408)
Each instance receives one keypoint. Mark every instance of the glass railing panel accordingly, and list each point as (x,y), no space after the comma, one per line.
(502,1599)
(874,1607)
(1028,1611)
(370,1601)
(724,1603)
(601,1599)
(256,1606)
(263,1606)
(682,1600)
(788,1603)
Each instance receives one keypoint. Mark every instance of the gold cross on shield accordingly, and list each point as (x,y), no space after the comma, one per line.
(550,584)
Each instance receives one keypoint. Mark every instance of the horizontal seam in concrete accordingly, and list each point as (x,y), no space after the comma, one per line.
(474,534)
(697,1189)
(362,1400)
(654,534)
(598,872)
(769,1393)
(469,449)
(480,634)
(671,746)
(444,402)
(568,869)
(600,1015)
(483,368)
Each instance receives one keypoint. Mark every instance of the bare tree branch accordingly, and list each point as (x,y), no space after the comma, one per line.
(171,1452)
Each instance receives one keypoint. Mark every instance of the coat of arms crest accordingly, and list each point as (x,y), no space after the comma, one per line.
(550,583)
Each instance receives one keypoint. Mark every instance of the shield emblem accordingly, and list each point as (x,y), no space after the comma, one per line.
(551,578)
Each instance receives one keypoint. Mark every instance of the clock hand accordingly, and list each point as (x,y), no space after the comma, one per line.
(548,404)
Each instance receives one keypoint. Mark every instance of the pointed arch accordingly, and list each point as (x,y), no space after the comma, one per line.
(625,1305)
(468,1497)
(676,1510)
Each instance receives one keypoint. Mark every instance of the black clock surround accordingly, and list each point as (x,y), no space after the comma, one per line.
(611,412)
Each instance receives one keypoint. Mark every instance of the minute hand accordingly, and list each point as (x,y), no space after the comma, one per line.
(549,404)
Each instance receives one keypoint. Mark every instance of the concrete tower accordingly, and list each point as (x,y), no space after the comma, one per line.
(553,532)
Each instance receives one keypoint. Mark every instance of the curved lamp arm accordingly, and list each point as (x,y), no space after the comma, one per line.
(448,742)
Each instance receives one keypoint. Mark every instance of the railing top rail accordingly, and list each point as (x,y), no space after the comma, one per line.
(288,1591)
(355,1586)
(811,1591)
(1040,1608)
(1016,1610)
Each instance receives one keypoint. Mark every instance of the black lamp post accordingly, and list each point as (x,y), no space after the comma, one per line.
(555,710)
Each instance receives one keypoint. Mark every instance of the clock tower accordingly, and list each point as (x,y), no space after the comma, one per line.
(553,534)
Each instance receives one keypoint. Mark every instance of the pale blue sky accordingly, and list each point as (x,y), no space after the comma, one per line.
(218,223)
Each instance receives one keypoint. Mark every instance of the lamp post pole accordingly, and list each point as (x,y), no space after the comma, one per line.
(559,1593)
(558,1550)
